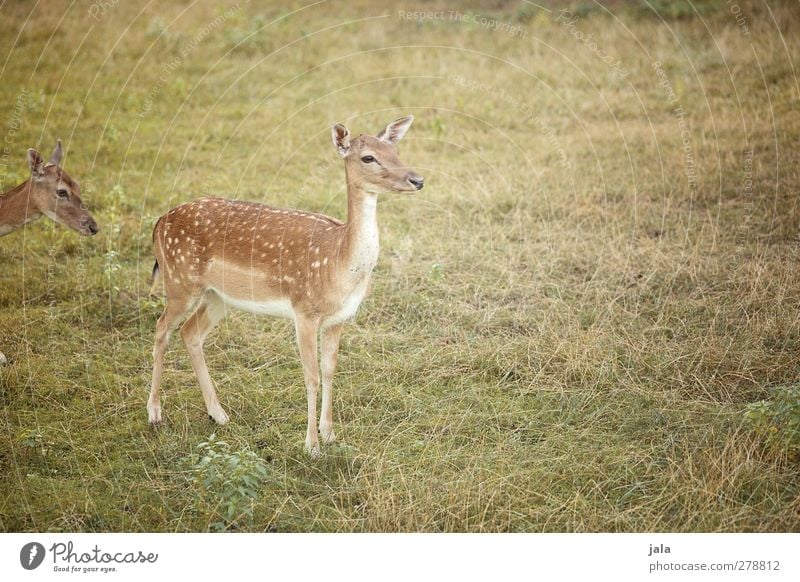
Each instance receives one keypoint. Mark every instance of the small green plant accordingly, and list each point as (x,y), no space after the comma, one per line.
(229,480)
(157,28)
(34,443)
(30,438)
(438,127)
(112,263)
(436,272)
(777,420)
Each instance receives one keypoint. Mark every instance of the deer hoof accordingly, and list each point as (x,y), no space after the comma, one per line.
(154,415)
(312,449)
(218,416)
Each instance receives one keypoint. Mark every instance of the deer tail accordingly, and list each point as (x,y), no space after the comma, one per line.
(155,279)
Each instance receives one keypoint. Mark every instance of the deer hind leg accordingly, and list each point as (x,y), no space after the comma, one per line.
(170,319)
(208,314)
(330,352)
(307,343)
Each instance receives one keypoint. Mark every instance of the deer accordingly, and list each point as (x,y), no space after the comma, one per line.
(214,254)
(51,192)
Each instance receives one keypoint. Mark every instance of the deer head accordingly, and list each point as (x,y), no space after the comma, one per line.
(56,195)
(372,163)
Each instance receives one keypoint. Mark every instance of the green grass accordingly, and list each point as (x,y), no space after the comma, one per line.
(564,334)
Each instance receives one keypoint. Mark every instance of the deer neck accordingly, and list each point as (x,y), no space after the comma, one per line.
(16,209)
(360,245)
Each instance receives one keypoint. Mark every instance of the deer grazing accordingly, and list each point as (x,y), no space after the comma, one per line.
(212,254)
(50,191)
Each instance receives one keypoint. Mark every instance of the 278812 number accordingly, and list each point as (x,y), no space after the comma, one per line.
(758,565)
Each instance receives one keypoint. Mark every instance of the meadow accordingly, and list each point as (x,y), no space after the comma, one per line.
(587,321)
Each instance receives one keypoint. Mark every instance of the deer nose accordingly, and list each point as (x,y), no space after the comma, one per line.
(417,181)
(92,227)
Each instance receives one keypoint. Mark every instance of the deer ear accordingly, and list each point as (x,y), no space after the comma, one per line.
(55,159)
(341,139)
(395,131)
(35,162)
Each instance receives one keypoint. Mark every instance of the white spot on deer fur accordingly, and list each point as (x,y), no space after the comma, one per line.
(325,261)
(288,279)
(315,264)
(316,250)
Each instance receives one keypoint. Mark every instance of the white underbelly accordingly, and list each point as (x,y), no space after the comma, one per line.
(273,307)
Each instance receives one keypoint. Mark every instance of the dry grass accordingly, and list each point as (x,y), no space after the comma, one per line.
(563,331)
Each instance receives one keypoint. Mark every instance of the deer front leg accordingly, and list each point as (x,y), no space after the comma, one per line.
(307,343)
(330,352)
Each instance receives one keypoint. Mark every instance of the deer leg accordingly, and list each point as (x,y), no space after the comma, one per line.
(330,352)
(307,343)
(207,315)
(167,323)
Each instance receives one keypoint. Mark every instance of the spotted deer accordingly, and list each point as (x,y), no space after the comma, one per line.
(51,192)
(213,254)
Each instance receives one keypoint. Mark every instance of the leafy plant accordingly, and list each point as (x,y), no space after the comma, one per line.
(30,438)
(777,420)
(34,445)
(229,480)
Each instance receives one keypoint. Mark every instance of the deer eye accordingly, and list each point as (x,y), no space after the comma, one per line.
(367,159)
(62,193)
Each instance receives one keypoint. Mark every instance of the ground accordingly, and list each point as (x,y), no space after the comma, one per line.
(566,327)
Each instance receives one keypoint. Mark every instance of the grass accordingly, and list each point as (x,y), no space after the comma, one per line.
(564,332)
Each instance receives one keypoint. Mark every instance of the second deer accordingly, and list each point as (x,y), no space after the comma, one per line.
(51,192)
(213,254)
